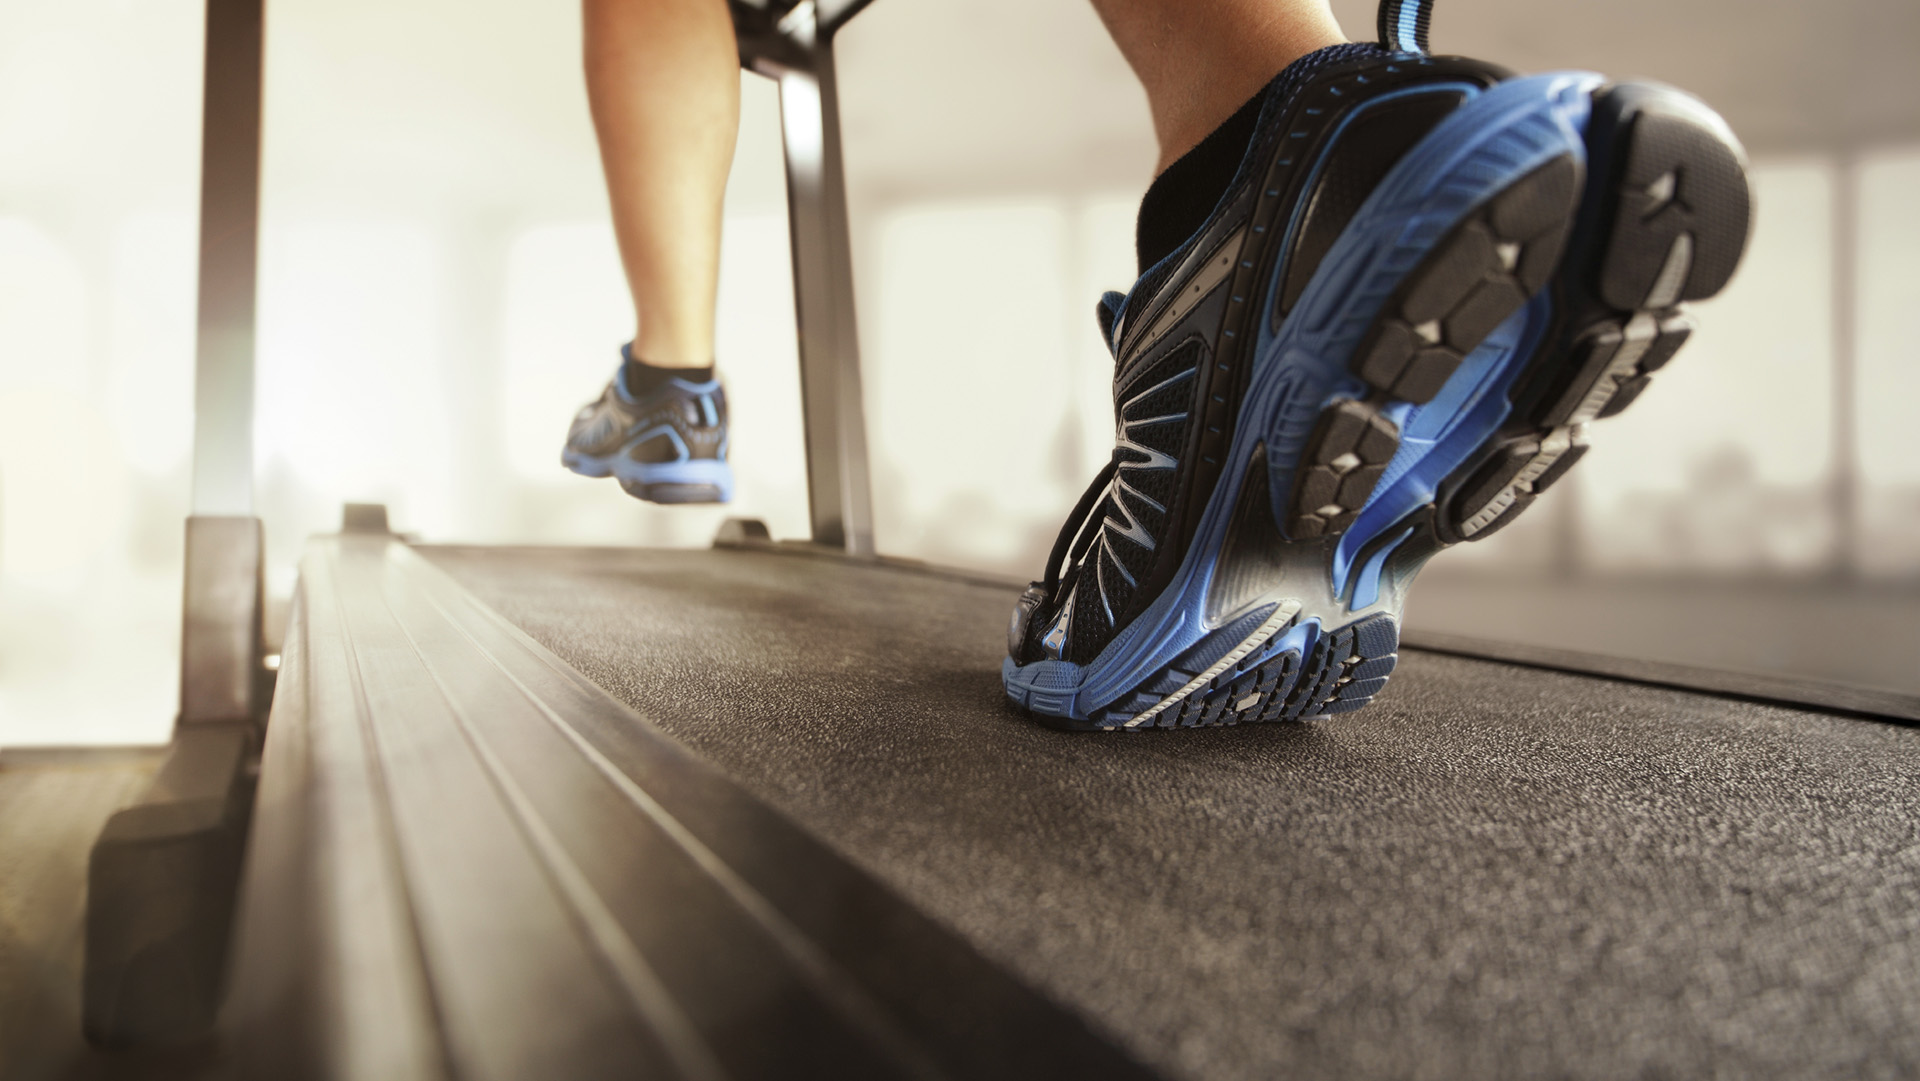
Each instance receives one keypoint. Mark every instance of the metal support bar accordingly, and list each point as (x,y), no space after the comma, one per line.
(1845,471)
(220,668)
(229,247)
(797,52)
(221,674)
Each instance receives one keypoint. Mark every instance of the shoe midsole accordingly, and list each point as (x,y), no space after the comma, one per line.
(691,471)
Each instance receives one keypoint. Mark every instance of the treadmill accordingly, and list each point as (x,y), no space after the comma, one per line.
(762,811)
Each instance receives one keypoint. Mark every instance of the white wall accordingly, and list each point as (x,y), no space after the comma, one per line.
(439,292)
(98,100)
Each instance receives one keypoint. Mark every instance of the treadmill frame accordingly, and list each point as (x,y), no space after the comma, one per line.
(163,873)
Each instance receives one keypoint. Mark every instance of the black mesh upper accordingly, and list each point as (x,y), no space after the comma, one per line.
(1141,494)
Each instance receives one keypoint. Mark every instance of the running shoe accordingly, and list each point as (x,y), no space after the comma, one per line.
(1425,281)
(666,446)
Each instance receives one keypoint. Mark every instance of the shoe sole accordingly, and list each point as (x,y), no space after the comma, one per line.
(1643,252)
(700,481)
(1596,245)
(667,492)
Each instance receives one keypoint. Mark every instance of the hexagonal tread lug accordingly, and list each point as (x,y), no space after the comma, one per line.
(1343,460)
(1474,278)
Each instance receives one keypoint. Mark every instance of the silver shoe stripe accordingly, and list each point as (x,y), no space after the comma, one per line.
(1145,421)
(1218,268)
(1281,617)
(1180,376)
(1120,485)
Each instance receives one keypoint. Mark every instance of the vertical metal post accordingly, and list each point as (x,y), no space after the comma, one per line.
(1566,559)
(161,877)
(229,246)
(1845,471)
(799,55)
(220,673)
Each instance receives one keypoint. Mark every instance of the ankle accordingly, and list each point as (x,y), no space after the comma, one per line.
(641,376)
(1185,193)
(1184,115)
(665,344)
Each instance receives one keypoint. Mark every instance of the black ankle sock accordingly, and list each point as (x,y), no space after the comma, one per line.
(643,379)
(1180,199)
(1178,203)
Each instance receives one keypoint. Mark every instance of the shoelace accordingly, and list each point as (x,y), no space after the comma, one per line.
(1075,538)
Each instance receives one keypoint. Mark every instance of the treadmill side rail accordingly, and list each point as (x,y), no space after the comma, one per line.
(468,860)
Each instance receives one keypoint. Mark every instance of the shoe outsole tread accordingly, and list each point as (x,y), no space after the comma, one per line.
(674,493)
(1669,212)
(1334,672)
(1483,271)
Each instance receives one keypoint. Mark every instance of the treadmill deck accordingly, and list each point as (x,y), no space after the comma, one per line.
(1493,870)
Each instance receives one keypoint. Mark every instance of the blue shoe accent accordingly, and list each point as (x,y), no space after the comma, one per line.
(1436,370)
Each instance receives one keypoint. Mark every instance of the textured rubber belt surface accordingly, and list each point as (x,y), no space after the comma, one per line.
(1491,871)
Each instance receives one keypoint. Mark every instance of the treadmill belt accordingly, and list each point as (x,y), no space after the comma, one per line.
(1493,870)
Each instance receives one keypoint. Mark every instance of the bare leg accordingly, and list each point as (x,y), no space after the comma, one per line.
(1202,59)
(663,77)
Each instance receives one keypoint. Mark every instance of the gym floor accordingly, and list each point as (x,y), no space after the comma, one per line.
(52,806)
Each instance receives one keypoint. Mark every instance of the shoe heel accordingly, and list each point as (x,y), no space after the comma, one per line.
(1667,213)
(1677,206)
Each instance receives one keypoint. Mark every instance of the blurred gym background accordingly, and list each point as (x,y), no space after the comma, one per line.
(439,292)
